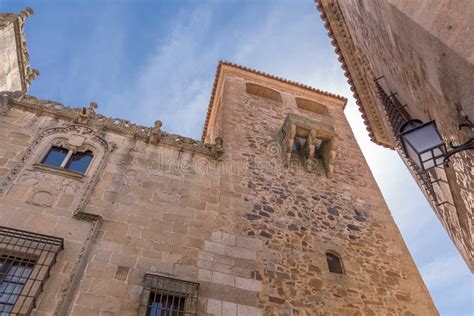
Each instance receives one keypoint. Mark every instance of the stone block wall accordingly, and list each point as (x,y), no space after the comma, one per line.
(423,50)
(10,78)
(251,231)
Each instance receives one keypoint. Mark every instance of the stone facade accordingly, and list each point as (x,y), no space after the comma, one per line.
(247,217)
(421,55)
(15,73)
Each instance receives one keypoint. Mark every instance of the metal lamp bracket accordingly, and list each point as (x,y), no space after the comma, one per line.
(469,145)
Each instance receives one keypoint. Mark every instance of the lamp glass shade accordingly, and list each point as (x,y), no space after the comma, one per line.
(423,144)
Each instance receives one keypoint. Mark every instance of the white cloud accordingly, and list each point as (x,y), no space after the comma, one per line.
(169,85)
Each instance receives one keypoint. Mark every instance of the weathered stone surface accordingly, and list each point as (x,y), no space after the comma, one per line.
(421,56)
(250,230)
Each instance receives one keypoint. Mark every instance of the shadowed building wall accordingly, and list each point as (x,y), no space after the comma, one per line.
(422,55)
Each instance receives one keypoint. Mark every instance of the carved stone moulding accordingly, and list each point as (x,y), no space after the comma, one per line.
(48,183)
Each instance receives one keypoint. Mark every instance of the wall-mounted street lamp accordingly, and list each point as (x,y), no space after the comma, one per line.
(424,145)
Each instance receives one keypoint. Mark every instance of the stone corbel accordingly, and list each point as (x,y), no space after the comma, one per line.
(218,148)
(311,143)
(314,131)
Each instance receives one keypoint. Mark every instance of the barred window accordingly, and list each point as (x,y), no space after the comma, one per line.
(164,296)
(25,262)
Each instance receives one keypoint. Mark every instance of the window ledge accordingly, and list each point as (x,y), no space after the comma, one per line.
(61,171)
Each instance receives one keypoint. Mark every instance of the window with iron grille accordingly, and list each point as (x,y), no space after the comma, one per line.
(397,116)
(164,296)
(25,262)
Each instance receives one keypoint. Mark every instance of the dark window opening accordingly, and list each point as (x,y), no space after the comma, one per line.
(169,297)
(55,156)
(318,149)
(334,263)
(298,145)
(79,161)
(164,305)
(14,272)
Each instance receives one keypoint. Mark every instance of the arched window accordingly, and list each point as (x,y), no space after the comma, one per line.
(311,106)
(334,263)
(60,157)
(263,92)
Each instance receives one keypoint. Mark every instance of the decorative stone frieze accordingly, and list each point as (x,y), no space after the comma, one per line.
(88,116)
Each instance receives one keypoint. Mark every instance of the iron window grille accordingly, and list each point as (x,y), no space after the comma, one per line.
(163,296)
(25,262)
(397,116)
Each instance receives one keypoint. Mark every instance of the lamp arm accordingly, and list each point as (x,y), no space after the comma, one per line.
(469,145)
(466,123)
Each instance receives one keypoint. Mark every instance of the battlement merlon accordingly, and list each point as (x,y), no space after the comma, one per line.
(15,71)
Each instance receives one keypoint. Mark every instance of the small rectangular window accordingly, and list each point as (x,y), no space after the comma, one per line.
(166,296)
(55,156)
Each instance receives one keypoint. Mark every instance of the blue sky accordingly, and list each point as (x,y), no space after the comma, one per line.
(149,60)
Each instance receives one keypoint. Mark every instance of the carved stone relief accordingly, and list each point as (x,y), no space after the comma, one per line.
(47,183)
(41,198)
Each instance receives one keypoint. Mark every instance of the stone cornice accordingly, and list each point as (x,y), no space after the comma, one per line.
(242,69)
(27,73)
(88,117)
(358,72)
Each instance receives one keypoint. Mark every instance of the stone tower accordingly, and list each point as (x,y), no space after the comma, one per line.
(274,212)
(15,72)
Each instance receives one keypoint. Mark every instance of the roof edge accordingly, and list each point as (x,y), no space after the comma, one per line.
(261,73)
(347,74)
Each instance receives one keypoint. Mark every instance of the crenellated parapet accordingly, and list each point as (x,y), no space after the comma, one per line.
(88,116)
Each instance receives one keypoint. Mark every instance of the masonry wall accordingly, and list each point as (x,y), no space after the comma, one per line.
(251,232)
(424,51)
(10,78)
(301,215)
(19,210)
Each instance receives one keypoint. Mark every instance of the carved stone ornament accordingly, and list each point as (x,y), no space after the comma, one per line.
(87,114)
(153,135)
(218,148)
(80,187)
(5,99)
(315,130)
